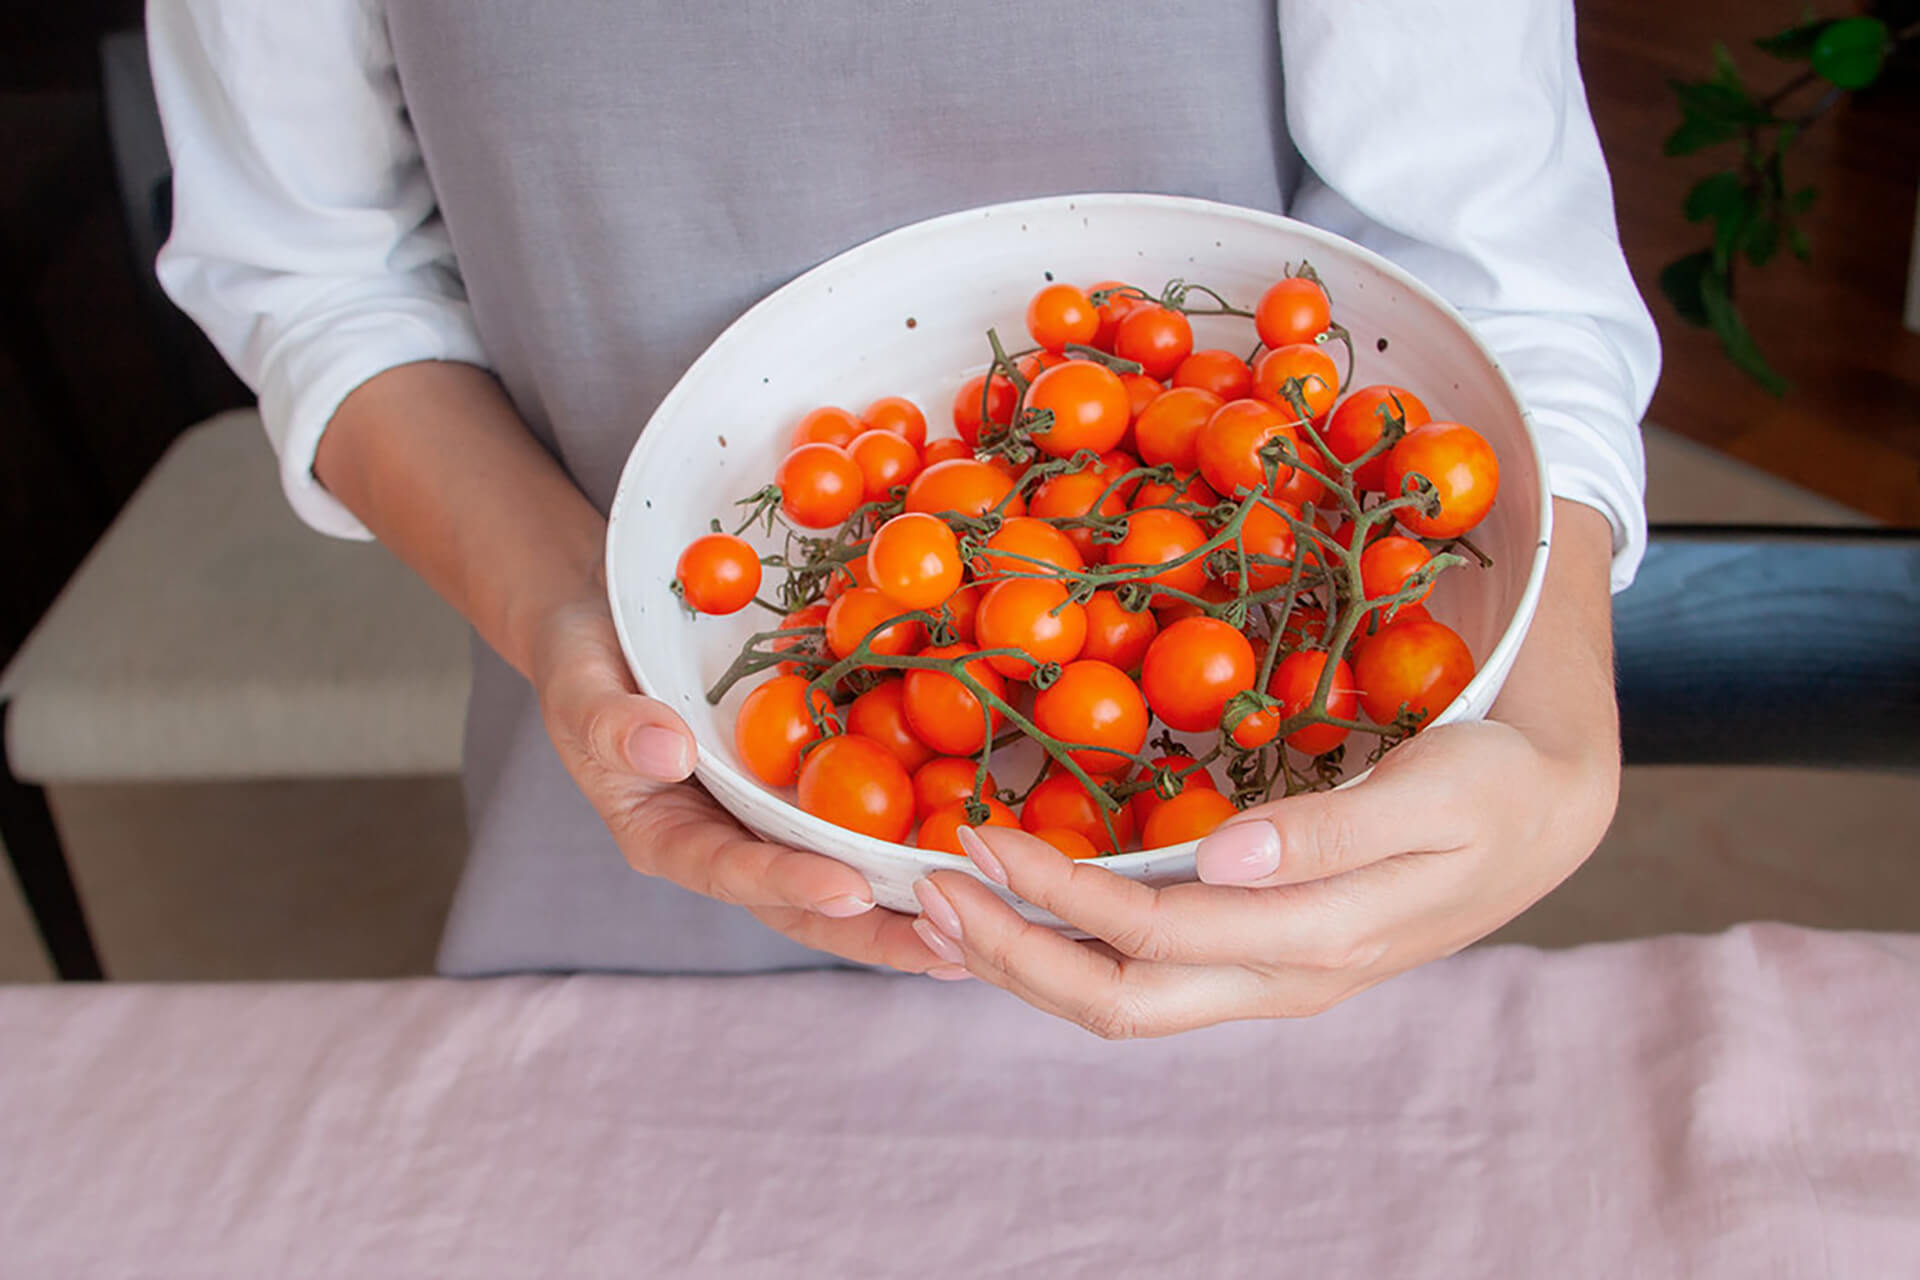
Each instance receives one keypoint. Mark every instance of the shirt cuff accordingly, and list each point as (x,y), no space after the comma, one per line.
(315,367)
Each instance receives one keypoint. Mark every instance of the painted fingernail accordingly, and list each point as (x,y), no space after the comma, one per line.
(1239,854)
(982,856)
(842,907)
(939,911)
(939,943)
(660,753)
(948,973)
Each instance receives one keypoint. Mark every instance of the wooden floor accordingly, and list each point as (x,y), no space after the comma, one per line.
(1850,428)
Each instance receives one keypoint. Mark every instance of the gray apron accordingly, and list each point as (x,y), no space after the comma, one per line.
(622,178)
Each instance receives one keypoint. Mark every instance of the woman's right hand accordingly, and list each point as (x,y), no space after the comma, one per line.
(632,757)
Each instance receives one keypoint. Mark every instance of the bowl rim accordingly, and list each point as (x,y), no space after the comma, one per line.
(852,260)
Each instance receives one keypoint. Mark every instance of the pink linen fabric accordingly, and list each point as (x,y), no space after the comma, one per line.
(1745,1105)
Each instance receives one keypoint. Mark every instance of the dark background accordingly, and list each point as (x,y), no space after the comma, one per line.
(96,375)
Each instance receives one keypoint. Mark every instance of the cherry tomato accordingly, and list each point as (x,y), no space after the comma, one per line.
(1293,310)
(820,485)
(1026,545)
(965,487)
(1168,432)
(1302,487)
(1387,563)
(1141,392)
(946,780)
(1192,668)
(943,712)
(1229,445)
(1060,801)
(1072,497)
(945,449)
(1266,533)
(1356,425)
(1170,610)
(1312,368)
(859,614)
(1257,728)
(1002,399)
(774,728)
(1035,616)
(1295,678)
(813,646)
(1158,538)
(856,783)
(1090,408)
(1463,469)
(1221,372)
(1095,705)
(1417,662)
(885,460)
(1193,774)
(1114,635)
(1192,489)
(939,831)
(828,425)
(1306,625)
(961,608)
(1060,314)
(900,416)
(1111,312)
(1194,814)
(847,575)
(880,714)
(718,573)
(1115,466)
(1071,843)
(1155,338)
(914,560)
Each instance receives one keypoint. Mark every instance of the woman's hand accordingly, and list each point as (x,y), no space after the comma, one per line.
(1309,900)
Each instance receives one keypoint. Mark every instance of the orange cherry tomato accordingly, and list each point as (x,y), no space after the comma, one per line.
(1192,668)
(1302,487)
(1293,310)
(1114,635)
(1001,400)
(1221,372)
(945,449)
(914,560)
(1089,404)
(1060,314)
(946,780)
(1094,705)
(1072,497)
(1266,533)
(1304,363)
(943,712)
(1194,814)
(1192,774)
(812,615)
(1141,392)
(1071,843)
(1415,662)
(1155,338)
(1160,538)
(1026,545)
(860,614)
(774,728)
(1387,563)
(885,460)
(1295,678)
(718,573)
(828,425)
(847,575)
(880,714)
(1192,489)
(856,783)
(900,416)
(965,487)
(1464,472)
(1358,422)
(1170,610)
(961,608)
(940,830)
(1060,802)
(1111,313)
(1228,449)
(1035,616)
(1168,432)
(820,485)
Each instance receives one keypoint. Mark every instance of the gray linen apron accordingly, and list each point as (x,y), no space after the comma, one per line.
(622,178)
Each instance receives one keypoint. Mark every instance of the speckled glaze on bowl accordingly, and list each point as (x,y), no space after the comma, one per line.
(906,314)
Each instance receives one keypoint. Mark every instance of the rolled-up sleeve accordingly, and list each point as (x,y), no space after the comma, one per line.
(305,238)
(1455,140)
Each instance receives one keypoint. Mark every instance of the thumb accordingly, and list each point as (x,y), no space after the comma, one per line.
(591,702)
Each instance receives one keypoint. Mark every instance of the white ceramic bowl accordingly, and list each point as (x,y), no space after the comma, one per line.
(906,314)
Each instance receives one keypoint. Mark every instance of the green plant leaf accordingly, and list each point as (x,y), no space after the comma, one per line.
(1724,318)
(1716,196)
(1697,135)
(1761,240)
(1850,52)
(1802,200)
(1726,72)
(1728,231)
(1680,281)
(1795,44)
(1708,100)
(1797,241)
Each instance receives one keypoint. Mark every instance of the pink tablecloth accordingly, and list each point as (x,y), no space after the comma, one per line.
(1743,1106)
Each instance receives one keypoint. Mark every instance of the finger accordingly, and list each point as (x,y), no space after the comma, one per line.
(1417,800)
(1191,924)
(883,938)
(1085,983)
(620,731)
(681,835)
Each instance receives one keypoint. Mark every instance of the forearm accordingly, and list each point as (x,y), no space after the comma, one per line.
(434,459)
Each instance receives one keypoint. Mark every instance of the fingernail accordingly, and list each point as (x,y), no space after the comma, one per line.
(660,753)
(842,907)
(938,910)
(1238,854)
(939,943)
(982,856)
(948,973)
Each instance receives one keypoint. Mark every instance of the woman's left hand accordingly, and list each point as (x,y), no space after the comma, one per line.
(1308,900)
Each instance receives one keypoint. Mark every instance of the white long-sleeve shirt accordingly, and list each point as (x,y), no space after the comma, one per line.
(1453,139)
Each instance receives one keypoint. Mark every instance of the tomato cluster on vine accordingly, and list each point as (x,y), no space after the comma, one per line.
(1122,531)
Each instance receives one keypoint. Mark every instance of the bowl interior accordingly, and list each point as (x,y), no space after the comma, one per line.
(906,314)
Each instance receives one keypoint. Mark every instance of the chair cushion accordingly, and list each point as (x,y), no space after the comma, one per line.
(1740,1105)
(211,635)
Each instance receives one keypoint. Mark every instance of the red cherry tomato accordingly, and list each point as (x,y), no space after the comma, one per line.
(1464,472)
(856,783)
(820,485)
(900,416)
(1156,338)
(1162,538)
(1096,706)
(1228,449)
(1293,310)
(1034,616)
(1060,801)
(774,727)
(1221,372)
(1089,404)
(885,460)
(965,487)
(1060,314)
(1357,424)
(1115,635)
(943,712)
(1303,364)
(1295,678)
(1194,814)
(1191,670)
(1415,662)
(914,560)
(1001,400)
(828,425)
(718,573)
(1386,565)
(939,831)
(946,780)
